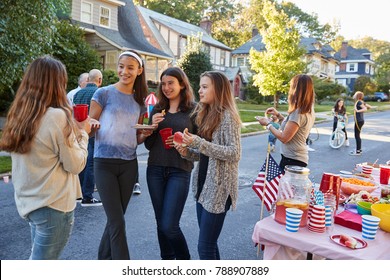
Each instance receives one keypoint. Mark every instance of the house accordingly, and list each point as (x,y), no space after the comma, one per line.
(112,26)
(170,35)
(319,58)
(353,64)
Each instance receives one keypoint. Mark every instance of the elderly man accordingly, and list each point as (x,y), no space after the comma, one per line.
(87,178)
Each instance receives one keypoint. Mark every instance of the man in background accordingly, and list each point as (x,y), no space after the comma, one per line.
(87,178)
(82,82)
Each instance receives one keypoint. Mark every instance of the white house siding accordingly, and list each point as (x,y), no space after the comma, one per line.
(174,42)
(76,12)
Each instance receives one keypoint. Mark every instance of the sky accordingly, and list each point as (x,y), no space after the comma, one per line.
(358,18)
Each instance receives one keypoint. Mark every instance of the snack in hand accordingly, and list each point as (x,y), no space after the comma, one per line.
(178,139)
(348,241)
(163,112)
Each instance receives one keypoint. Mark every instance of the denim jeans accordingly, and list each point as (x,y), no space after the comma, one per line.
(210,227)
(50,231)
(168,189)
(87,178)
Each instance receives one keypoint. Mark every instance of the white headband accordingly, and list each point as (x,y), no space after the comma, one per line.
(132,54)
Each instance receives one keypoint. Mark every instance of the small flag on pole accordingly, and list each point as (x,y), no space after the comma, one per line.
(271,182)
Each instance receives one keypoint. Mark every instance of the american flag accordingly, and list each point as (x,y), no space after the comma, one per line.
(272,182)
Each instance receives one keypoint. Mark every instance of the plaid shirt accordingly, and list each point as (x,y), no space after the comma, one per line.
(84,95)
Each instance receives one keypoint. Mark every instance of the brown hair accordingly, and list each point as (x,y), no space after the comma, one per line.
(358,95)
(186,93)
(301,94)
(43,86)
(140,85)
(209,116)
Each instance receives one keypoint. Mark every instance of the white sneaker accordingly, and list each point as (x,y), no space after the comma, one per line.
(137,188)
(347,142)
(310,149)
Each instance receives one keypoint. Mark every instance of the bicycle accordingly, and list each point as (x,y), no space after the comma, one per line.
(337,138)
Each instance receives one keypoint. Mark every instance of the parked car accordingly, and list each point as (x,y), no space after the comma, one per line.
(377,96)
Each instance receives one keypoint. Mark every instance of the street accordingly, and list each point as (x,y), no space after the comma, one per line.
(235,242)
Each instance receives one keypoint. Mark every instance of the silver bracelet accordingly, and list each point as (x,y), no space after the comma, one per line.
(269,126)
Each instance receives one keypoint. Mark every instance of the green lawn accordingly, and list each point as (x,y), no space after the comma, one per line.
(5,164)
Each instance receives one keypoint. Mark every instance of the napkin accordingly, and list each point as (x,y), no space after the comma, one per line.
(349,220)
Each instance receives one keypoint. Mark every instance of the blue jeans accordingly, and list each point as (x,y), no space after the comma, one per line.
(50,231)
(87,178)
(210,227)
(168,189)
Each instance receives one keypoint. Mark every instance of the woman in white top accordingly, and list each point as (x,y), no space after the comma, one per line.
(48,149)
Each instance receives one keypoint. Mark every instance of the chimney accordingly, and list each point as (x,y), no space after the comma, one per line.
(206,24)
(255,31)
(344,50)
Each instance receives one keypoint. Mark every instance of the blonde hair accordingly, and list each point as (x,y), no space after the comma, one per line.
(358,95)
(301,94)
(209,116)
(43,86)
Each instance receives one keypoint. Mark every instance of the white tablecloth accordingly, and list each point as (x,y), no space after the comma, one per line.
(281,244)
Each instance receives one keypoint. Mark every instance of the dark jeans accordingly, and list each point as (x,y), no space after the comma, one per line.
(168,189)
(289,161)
(358,128)
(87,178)
(210,227)
(115,179)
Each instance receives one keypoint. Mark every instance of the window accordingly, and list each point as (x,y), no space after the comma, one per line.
(367,68)
(223,58)
(352,67)
(240,61)
(86,12)
(104,16)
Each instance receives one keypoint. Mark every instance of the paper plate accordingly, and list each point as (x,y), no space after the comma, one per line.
(360,243)
(140,126)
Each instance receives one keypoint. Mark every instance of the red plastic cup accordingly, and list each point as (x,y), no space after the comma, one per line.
(80,112)
(384,174)
(165,133)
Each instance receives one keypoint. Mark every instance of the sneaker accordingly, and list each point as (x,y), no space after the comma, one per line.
(78,200)
(137,188)
(91,202)
(347,142)
(310,149)
(355,153)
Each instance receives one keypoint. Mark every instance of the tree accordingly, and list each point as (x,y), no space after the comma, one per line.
(281,60)
(26,32)
(364,84)
(70,47)
(195,61)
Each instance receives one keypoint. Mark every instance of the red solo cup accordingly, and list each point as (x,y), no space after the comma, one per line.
(80,112)
(165,133)
(384,174)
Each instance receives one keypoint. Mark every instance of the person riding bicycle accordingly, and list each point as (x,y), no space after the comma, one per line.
(340,114)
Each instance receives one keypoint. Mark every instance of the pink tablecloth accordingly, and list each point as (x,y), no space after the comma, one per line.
(281,244)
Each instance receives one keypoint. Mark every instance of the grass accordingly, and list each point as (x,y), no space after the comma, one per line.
(5,164)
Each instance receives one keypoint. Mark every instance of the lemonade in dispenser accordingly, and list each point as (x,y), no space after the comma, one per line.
(293,192)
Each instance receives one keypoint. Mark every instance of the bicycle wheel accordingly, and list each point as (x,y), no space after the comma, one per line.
(337,139)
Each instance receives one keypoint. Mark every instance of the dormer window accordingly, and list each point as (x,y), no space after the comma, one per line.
(86,12)
(104,16)
(352,67)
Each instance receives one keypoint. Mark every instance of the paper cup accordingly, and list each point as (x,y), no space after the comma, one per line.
(367,169)
(6,179)
(80,112)
(384,174)
(370,226)
(293,219)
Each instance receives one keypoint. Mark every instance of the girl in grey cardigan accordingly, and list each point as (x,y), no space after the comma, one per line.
(218,149)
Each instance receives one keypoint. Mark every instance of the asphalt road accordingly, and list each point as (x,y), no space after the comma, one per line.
(235,241)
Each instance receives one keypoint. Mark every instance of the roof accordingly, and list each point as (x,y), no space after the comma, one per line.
(353,54)
(256,42)
(130,34)
(184,28)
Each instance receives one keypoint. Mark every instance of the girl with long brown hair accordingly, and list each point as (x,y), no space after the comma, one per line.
(217,146)
(296,126)
(48,149)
